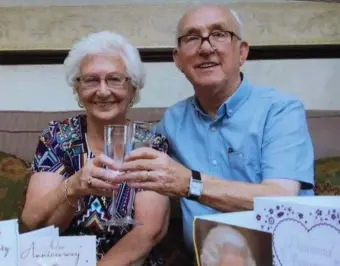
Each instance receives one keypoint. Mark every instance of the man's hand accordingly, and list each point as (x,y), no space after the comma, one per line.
(149,169)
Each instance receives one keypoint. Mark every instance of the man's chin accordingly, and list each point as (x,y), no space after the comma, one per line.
(208,83)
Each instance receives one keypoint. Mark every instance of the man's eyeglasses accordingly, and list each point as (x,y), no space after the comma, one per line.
(215,38)
(114,81)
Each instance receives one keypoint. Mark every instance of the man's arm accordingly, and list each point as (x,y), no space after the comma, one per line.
(153,211)
(287,165)
(287,161)
(226,196)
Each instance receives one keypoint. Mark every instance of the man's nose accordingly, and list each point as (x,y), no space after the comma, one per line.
(206,47)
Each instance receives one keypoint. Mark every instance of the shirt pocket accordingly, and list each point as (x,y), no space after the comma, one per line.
(244,167)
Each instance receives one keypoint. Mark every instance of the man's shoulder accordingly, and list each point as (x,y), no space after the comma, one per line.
(178,109)
(274,96)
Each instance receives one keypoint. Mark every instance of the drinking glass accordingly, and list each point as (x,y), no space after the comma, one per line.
(115,138)
(141,134)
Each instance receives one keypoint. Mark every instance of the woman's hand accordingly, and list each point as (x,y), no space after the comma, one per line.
(93,178)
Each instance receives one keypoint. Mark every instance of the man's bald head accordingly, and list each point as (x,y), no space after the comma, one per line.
(210,49)
(203,11)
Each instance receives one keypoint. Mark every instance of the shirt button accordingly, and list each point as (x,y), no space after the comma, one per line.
(214,162)
(213,129)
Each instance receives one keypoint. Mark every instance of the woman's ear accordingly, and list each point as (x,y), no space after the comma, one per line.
(76,90)
(132,95)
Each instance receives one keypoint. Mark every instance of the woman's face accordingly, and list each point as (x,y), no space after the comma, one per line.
(232,256)
(104,88)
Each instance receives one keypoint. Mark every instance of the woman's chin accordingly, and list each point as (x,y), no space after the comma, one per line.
(107,116)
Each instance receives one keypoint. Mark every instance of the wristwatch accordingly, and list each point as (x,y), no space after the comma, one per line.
(195,186)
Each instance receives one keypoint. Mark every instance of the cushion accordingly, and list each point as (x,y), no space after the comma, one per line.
(327,176)
(14,177)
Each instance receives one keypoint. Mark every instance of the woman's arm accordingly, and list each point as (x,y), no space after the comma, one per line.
(46,202)
(153,211)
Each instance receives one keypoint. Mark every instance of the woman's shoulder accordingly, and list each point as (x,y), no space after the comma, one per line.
(63,129)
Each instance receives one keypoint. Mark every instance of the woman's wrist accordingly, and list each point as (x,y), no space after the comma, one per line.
(70,187)
(68,194)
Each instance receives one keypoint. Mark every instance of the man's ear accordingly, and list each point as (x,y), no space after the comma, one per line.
(244,51)
(176,57)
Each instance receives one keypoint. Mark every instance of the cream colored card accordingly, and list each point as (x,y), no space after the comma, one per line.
(8,242)
(57,251)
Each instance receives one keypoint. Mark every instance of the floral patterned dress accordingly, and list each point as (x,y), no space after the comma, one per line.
(62,148)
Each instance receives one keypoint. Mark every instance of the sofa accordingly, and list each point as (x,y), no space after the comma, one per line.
(18,138)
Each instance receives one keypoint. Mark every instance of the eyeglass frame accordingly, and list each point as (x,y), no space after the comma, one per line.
(100,79)
(207,38)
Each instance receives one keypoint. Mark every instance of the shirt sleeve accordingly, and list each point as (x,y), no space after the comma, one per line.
(287,149)
(49,156)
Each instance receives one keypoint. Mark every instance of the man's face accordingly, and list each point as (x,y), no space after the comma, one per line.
(210,64)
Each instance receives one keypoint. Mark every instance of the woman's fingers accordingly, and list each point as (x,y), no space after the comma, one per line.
(93,182)
(142,153)
(97,183)
(101,192)
(102,160)
(102,173)
(106,162)
(135,176)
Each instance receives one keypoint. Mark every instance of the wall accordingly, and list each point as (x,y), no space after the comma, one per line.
(316,82)
(44,88)
(114,2)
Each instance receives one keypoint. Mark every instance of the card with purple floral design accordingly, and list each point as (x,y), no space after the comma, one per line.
(305,230)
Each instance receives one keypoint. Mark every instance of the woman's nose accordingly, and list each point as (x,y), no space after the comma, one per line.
(103,89)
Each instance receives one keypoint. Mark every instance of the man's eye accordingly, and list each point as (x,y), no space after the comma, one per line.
(191,38)
(219,34)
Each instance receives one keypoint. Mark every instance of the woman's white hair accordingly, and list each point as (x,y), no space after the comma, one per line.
(106,42)
(218,237)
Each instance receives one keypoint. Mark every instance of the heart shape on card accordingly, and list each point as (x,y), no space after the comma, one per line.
(295,244)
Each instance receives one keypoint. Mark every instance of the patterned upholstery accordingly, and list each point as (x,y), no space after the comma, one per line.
(327,176)
(14,176)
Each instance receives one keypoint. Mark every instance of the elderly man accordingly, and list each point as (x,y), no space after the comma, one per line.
(230,142)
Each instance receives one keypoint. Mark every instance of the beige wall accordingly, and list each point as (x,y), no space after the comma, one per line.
(43,87)
(316,82)
(113,2)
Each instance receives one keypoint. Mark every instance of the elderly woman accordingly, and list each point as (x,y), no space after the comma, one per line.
(225,246)
(106,73)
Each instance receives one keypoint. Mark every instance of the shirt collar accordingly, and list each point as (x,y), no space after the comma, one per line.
(233,103)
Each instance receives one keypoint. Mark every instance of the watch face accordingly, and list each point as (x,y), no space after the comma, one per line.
(196,188)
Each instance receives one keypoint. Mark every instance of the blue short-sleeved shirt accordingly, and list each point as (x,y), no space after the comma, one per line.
(260,133)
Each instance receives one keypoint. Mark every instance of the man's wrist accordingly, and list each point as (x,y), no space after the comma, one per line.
(186,183)
(195,186)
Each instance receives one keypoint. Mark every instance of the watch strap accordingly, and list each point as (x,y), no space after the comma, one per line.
(195,178)
(196,175)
